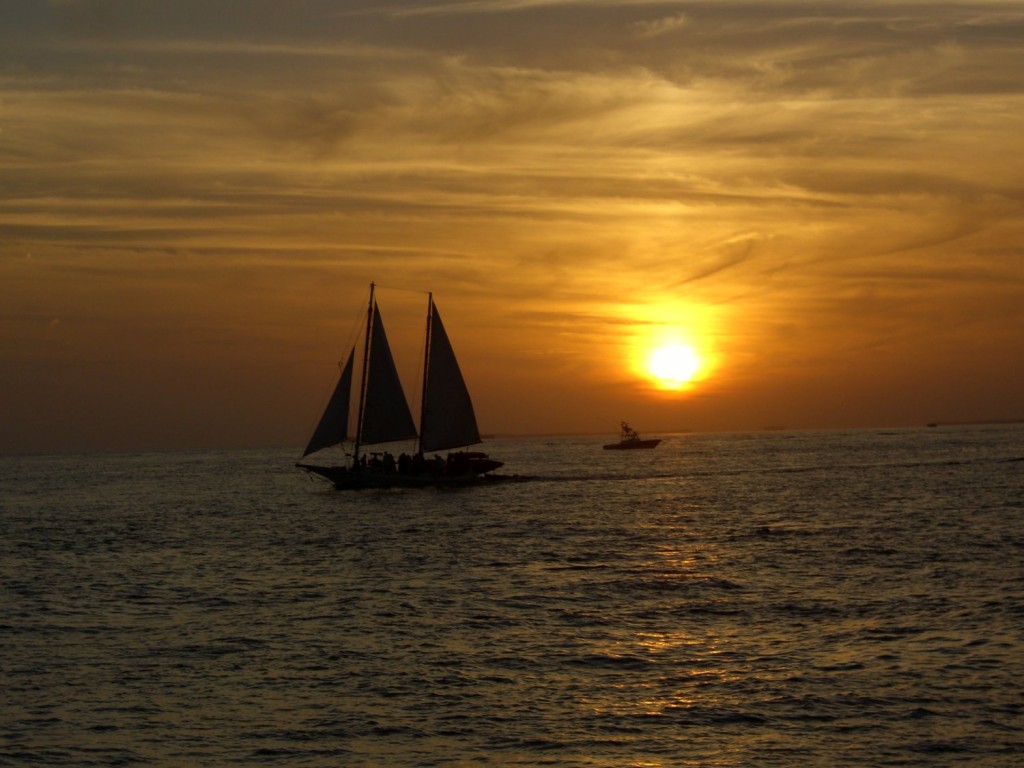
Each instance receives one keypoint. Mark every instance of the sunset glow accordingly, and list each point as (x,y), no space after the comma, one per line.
(825,208)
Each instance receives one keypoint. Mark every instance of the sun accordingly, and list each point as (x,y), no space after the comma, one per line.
(673,365)
(670,346)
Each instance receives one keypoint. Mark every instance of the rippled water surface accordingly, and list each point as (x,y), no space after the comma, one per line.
(775,599)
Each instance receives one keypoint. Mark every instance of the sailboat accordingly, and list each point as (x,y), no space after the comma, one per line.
(447,419)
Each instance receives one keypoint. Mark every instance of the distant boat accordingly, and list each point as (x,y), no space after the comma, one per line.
(447,419)
(628,438)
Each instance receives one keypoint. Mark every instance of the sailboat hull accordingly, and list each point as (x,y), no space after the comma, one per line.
(460,469)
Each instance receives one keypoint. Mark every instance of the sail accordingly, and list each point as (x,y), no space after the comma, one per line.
(333,426)
(386,415)
(448,418)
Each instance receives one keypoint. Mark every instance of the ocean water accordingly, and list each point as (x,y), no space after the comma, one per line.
(773,599)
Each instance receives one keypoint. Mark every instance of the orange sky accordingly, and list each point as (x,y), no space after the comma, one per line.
(826,202)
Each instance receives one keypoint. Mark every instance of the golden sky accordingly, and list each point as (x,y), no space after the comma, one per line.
(824,201)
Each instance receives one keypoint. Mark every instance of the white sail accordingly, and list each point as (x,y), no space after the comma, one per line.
(386,415)
(448,419)
(333,426)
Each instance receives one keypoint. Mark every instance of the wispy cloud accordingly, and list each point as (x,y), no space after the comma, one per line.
(831,179)
(647,29)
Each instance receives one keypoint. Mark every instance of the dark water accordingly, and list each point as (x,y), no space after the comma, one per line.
(776,599)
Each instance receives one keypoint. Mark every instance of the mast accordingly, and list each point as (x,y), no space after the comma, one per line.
(362,381)
(426,371)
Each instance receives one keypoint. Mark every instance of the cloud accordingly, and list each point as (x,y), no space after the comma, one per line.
(649,29)
(831,178)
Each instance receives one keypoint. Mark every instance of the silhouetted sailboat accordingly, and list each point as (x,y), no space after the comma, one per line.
(447,419)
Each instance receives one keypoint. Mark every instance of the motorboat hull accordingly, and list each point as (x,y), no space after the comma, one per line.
(626,445)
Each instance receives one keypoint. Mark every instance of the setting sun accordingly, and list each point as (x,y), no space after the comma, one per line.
(673,365)
(671,348)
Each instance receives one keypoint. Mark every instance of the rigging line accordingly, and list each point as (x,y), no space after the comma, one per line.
(390,288)
(355,327)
